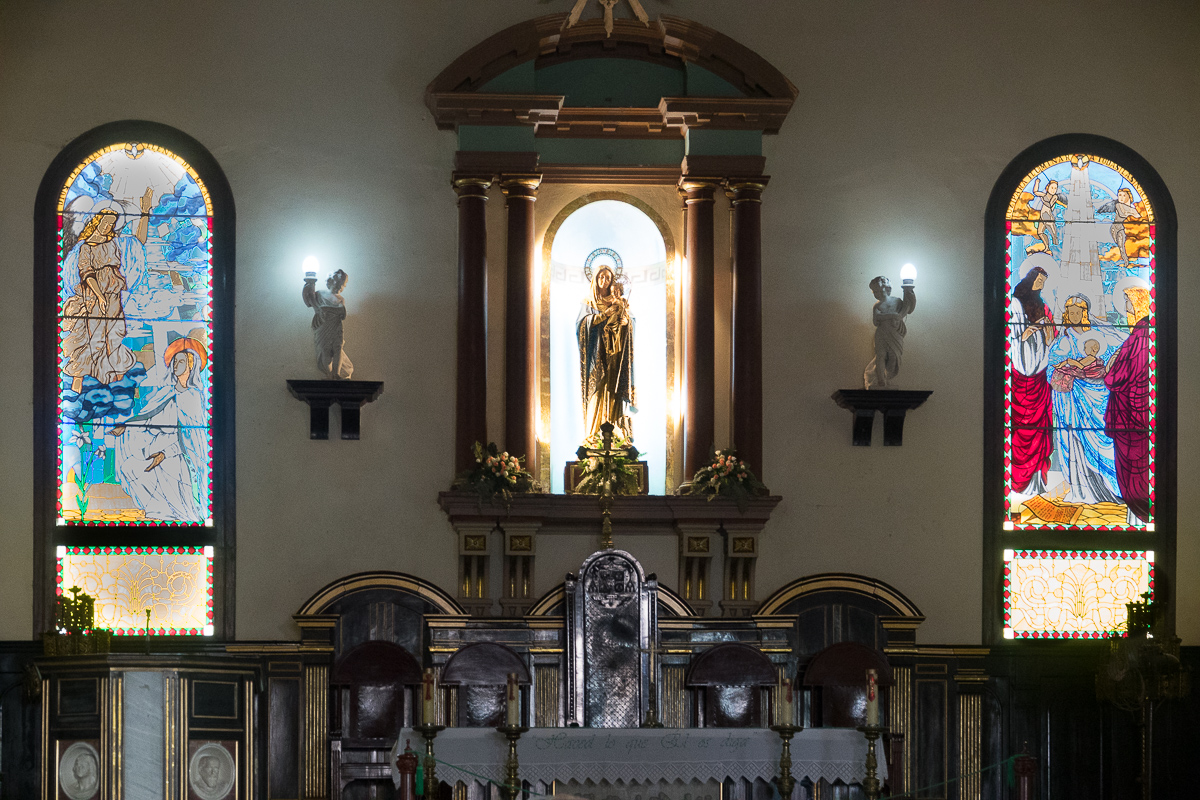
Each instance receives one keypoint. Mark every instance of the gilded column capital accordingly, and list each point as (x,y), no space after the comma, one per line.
(523,185)
(471,185)
(740,190)
(698,189)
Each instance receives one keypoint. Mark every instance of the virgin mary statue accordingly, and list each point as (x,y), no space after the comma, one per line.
(605,333)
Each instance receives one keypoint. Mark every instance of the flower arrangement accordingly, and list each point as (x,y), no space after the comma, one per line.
(497,474)
(727,476)
(591,470)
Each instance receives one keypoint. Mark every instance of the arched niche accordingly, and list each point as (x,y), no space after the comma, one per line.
(580,227)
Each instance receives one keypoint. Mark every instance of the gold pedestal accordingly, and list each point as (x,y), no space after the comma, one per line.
(512,778)
(785,781)
(871,781)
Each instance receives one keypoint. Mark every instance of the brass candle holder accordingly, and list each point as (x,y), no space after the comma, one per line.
(512,778)
(871,781)
(785,781)
(429,732)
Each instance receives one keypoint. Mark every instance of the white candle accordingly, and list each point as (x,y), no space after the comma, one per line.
(872,698)
(789,705)
(513,701)
(429,703)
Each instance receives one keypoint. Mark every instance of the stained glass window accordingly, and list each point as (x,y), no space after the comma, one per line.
(1061,594)
(1080,351)
(135,341)
(175,584)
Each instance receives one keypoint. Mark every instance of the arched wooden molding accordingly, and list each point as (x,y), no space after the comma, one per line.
(767,96)
(843,582)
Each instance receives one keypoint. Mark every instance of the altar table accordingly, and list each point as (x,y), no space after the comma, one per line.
(645,755)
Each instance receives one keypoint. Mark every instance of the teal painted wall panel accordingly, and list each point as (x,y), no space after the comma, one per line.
(506,138)
(627,152)
(724,143)
(611,82)
(518,80)
(703,83)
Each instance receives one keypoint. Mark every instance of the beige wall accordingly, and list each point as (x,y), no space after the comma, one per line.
(907,114)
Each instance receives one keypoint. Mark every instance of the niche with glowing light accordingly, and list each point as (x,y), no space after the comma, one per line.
(622,235)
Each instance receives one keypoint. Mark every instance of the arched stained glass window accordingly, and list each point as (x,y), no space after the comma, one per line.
(134,342)
(1081,389)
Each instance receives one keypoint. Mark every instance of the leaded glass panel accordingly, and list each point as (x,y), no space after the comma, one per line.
(135,342)
(1059,594)
(174,583)
(1080,354)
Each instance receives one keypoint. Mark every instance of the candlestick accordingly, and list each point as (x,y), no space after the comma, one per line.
(429,731)
(871,781)
(429,699)
(785,781)
(513,717)
(512,778)
(872,698)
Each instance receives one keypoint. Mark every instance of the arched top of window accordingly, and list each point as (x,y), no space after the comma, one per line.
(1080,392)
(133,346)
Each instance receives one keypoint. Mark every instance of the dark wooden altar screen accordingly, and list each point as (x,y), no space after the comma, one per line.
(727,682)
(480,673)
(369,683)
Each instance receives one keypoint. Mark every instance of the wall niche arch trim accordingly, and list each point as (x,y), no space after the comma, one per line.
(672,430)
(47,533)
(401,582)
(840,582)
(1162,538)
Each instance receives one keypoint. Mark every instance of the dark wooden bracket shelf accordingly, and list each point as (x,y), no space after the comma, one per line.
(894,404)
(320,395)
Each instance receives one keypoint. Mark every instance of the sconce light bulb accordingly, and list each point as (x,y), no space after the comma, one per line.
(311,267)
(908,274)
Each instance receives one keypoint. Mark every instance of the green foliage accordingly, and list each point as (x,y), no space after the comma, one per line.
(727,476)
(623,476)
(496,475)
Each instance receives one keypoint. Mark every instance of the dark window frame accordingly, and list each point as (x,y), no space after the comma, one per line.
(995,539)
(47,534)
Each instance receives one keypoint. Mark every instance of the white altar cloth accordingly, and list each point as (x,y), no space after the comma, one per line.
(625,755)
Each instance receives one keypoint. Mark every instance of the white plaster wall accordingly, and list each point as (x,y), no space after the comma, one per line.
(907,114)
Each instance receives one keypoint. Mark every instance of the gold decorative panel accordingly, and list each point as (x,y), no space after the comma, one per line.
(697,544)
(520,544)
(743,544)
(474,543)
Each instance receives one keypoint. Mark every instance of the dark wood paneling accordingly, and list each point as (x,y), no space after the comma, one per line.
(932,728)
(283,745)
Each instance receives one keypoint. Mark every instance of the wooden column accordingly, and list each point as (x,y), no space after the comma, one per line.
(746,199)
(520,328)
(698,326)
(471,391)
